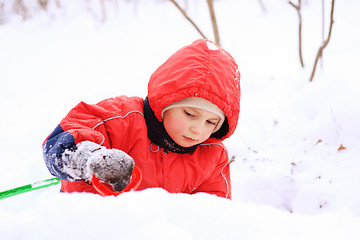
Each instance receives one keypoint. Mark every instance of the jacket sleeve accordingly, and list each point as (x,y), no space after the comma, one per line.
(219,182)
(79,125)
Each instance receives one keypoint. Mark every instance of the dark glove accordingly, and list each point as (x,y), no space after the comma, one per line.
(111,166)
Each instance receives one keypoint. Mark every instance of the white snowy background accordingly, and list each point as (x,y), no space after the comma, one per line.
(290,180)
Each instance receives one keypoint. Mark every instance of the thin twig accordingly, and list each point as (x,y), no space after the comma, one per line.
(325,43)
(103,11)
(213,21)
(232,159)
(298,10)
(262,5)
(322,28)
(188,18)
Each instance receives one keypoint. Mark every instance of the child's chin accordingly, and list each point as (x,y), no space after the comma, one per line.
(187,145)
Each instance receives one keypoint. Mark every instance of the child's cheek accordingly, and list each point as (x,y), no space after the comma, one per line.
(179,126)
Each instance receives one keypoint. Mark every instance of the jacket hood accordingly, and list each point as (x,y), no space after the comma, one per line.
(202,69)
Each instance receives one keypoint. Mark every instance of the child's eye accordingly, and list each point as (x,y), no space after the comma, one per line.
(188,113)
(211,122)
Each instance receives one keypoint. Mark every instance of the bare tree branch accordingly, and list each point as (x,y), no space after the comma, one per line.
(325,43)
(43,4)
(20,8)
(188,18)
(1,13)
(213,21)
(103,11)
(298,10)
(262,5)
(322,27)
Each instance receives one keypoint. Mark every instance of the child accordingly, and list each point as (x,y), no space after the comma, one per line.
(173,135)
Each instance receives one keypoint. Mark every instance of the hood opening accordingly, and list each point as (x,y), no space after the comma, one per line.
(222,131)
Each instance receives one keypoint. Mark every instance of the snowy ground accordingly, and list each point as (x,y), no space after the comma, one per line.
(290,178)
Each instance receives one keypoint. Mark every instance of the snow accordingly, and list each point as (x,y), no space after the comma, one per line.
(212,46)
(296,148)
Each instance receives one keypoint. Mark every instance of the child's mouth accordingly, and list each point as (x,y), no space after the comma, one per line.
(190,139)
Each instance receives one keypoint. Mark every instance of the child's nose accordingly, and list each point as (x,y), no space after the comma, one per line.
(196,128)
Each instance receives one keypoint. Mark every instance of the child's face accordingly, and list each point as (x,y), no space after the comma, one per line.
(189,126)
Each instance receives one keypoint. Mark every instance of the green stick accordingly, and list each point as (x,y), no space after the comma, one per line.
(29,187)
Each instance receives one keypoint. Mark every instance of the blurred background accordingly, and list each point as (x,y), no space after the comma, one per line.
(296,147)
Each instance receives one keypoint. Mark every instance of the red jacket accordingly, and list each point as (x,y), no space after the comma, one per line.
(195,70)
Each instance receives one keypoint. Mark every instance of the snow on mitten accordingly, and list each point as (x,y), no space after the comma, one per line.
(111,166)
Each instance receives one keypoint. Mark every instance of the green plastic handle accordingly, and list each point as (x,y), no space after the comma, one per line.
(29,187)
